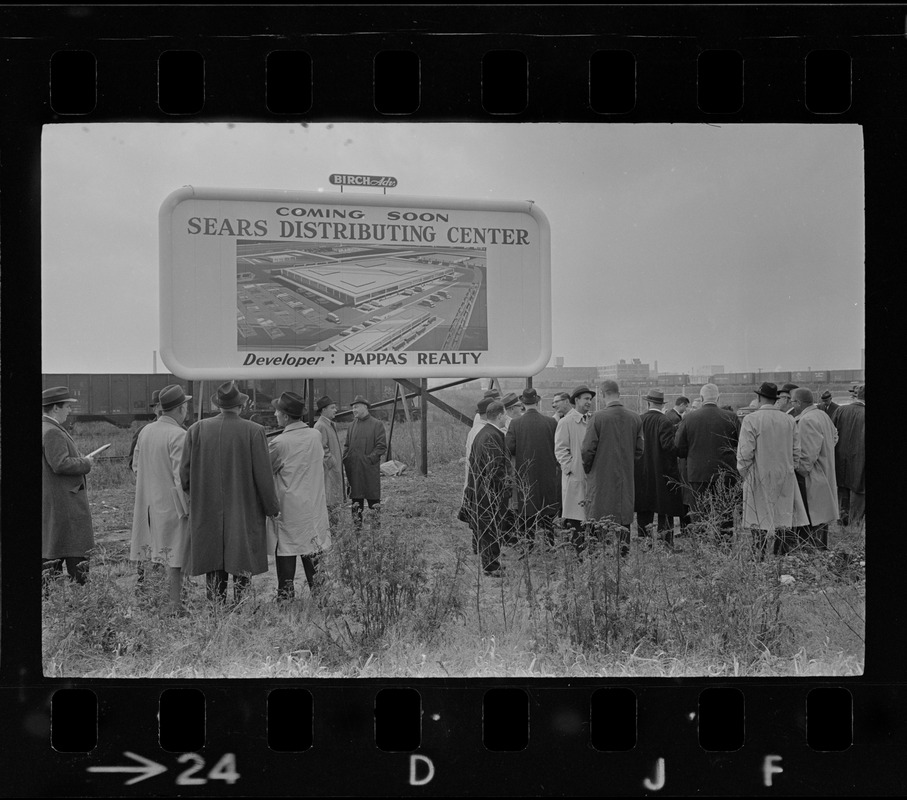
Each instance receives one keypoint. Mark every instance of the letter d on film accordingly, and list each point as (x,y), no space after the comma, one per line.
(413,762)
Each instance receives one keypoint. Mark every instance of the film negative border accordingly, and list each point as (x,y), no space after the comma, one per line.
(504,740)
(684,62)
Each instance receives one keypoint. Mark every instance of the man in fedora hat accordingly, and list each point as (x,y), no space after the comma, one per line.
(366,443)
(568,443)
(768,452)
(530,441)
(850,458)
(226,470)
(785,400)
(612,445)
(478,420)
(513,409)
(155,407)
(160,525)
(334,479)
(297,458)
(66,532)
(707,442)
(828,405)
(656,477)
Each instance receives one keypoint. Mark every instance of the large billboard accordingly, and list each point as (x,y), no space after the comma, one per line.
(272,284)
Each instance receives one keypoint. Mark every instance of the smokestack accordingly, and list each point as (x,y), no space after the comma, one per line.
(154,362)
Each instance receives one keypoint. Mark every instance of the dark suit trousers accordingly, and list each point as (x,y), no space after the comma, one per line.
(852,505)
(706,502)
(489,545)
(216,585)
(286,573)
(76,567)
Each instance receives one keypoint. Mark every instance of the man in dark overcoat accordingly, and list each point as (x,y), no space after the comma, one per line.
(366,444)
(850,458)
(66,532)
(707,440)
(530,440)
(656,477)
(226,471)
(828,405)
(675,417)
(610,449)
(486,497)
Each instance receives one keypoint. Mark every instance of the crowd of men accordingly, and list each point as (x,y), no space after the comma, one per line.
(801,466)
(218,498)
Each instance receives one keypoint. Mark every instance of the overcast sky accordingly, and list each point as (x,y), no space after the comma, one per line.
(689,245)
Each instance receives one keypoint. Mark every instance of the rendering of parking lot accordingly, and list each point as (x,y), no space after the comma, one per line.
(351,298)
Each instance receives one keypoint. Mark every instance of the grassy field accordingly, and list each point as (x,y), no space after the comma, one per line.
(409,600)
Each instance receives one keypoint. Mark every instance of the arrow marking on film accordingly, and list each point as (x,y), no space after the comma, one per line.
(148,769)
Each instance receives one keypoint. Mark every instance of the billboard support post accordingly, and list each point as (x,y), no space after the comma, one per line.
(424,409)
(401,394)
(390,435)
(409,424)
(309,391)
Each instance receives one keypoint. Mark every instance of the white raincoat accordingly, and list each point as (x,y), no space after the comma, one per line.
(297,459)
(159,531)
(568,445)
(768,452)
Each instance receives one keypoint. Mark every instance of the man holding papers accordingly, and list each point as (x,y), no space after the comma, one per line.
(66,533)
(160,522)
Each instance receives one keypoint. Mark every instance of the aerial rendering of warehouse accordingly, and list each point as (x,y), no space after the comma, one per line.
(356,282)
(355,298)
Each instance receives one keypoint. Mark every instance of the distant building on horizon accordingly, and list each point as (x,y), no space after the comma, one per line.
(565,378)
(622,372)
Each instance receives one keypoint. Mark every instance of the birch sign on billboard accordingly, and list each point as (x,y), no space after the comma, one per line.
(270,284)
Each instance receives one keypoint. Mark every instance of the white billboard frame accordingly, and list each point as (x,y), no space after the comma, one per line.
(377,294)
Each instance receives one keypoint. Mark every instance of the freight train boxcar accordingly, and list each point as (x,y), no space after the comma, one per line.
(116,398)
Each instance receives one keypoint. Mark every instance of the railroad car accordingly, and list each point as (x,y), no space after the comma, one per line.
(668,379)
(123,398)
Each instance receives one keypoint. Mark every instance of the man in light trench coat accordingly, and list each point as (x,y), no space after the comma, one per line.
(160,524)
(816,469)
(334,479)
(768,452)
(226,470)
(303,530)
(568,443)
